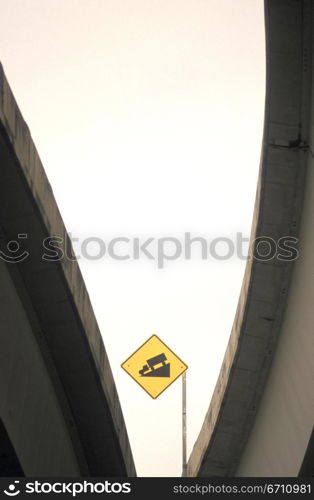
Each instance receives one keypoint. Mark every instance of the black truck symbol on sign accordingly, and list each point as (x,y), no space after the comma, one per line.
(156,367)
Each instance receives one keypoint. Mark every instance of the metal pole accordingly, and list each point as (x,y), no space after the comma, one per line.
(184,464)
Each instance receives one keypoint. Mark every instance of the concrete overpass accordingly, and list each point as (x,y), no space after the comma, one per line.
(59,409)
(261,416)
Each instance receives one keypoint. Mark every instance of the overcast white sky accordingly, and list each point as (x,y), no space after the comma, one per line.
(148,116)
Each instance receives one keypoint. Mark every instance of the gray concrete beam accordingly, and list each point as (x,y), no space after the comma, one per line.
(58,308)
(278,208)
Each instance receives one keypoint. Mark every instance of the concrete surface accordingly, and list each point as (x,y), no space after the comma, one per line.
(58,401)
(247,431)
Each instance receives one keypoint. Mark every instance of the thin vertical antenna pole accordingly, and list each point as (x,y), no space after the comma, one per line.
(184,464)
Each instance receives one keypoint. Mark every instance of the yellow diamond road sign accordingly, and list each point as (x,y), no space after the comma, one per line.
(154,366)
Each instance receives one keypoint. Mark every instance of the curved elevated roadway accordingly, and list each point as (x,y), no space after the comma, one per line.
(260,419)
(59,409)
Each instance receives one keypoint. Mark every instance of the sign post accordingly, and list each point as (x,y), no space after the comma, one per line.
(184,464)
(154,366)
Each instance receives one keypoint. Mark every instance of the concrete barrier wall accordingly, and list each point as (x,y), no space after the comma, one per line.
(285,419)
(61,317)
(29,407)
(237,437)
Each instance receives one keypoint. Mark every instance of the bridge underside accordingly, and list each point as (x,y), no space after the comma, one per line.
(58,402)
(261,414)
